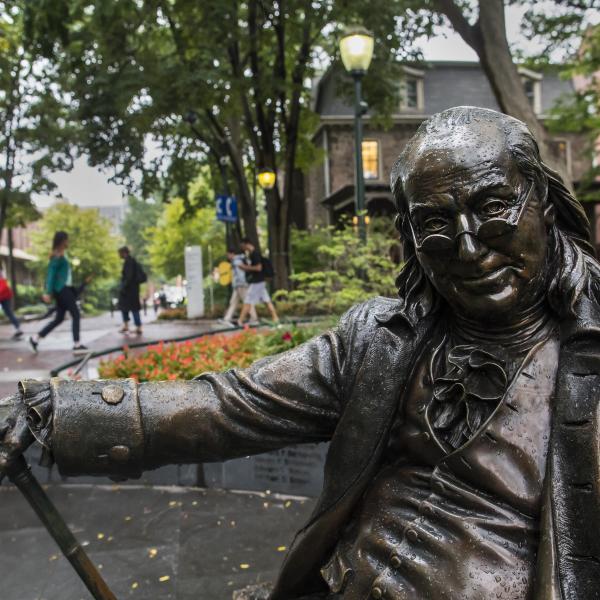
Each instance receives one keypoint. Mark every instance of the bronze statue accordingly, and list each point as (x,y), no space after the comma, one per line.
(463,416)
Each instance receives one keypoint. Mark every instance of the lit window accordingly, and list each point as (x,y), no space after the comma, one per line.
(411,92)
(370,157)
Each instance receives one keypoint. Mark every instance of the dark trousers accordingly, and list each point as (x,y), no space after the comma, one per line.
(136,317)
(66,301)
(9,313)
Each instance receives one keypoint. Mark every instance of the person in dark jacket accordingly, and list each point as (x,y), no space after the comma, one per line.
(59,286)
(463,417)
(129,292)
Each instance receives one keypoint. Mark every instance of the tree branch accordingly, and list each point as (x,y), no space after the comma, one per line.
(453,12)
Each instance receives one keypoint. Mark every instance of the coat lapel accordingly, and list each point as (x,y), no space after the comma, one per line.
(353,457)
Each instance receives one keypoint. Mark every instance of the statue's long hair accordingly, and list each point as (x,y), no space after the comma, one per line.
(574,267)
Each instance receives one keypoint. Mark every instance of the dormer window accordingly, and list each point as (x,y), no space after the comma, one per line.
(532,84)
(411,93)
(411,90)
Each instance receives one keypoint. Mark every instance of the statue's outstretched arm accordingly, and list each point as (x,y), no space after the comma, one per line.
(121,428)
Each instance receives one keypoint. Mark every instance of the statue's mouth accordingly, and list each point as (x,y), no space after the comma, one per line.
(491,277)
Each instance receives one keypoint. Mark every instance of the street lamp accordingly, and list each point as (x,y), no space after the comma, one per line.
(356,48)
(266,179)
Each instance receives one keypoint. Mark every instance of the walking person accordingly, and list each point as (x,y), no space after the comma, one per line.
(239,284)
(132,276)
(5,297)
(257,289)
(59,285)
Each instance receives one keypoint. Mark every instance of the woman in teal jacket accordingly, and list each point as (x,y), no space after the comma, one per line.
(59,286)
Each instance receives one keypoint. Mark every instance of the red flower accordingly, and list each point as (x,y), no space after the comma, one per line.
(287,337)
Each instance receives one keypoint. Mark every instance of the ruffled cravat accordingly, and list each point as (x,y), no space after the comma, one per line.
(473,383)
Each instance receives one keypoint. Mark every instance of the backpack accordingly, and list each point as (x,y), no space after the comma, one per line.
(5,291)
(267,268)
(140,274)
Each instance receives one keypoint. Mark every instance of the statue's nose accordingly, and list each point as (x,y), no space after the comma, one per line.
(469,247)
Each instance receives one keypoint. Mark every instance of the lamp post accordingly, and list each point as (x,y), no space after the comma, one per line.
(267,178)
(356,48)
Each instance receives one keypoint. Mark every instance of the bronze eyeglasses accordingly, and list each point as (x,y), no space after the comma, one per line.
(485,228)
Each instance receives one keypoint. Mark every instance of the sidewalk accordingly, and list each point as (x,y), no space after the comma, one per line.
(17,361)
(149,543)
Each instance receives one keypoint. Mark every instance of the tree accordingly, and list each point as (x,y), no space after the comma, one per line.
(92,246)
(484,30)
(141,214)
(175,230)
(568,33)
(34,119)
(220,83)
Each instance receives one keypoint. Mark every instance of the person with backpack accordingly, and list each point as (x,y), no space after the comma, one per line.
(257,272)
(5,297)
(59,285)
(132,276)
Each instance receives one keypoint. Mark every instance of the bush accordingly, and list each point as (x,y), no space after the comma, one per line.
(28,294)
(185,360)
(349,272)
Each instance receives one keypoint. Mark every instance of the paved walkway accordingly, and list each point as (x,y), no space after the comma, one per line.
(149,543)
(17,361)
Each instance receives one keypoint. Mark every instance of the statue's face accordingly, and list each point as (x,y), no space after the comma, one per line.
(480,228)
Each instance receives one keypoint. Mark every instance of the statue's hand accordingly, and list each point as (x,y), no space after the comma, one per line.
(15,433)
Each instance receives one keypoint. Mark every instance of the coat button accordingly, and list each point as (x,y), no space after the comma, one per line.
(426,509)
(376,592)
(119,454)
(412,535)
(112,394)
(395,561)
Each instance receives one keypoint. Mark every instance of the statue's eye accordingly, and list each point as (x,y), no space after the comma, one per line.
(493,207)
(434,224)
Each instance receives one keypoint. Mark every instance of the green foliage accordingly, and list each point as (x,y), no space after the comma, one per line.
(175,230)
(92,246)
(28,294)
(305,248)
(345,271)
(35,124)
(141,214)
(566,32)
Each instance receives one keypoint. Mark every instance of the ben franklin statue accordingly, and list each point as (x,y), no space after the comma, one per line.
(463,416)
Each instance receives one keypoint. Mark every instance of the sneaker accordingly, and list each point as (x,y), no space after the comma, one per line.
(18,335)
(138,331)
(80,349)
(254,323)
(124,329)
(33,344)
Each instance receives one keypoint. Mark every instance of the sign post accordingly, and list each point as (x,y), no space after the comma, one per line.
(194,285)
(227,209)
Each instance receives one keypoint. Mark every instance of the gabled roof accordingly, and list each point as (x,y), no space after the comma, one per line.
(445,84)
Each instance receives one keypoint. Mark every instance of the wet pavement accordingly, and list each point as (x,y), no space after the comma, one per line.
(160,543)
(149,542)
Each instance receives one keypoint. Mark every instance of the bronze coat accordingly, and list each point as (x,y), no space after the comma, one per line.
(346,386)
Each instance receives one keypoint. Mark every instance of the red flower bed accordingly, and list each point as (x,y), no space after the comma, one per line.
(185,360)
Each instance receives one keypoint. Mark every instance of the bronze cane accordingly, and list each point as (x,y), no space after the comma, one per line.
(20,474)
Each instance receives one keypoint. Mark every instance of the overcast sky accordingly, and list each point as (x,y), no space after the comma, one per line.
(87,186)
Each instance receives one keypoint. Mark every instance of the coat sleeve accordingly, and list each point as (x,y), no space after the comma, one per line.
(122,428)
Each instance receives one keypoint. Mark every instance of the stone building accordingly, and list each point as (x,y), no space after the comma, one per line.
(425,90)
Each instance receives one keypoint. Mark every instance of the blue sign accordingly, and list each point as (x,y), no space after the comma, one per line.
(227,209)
